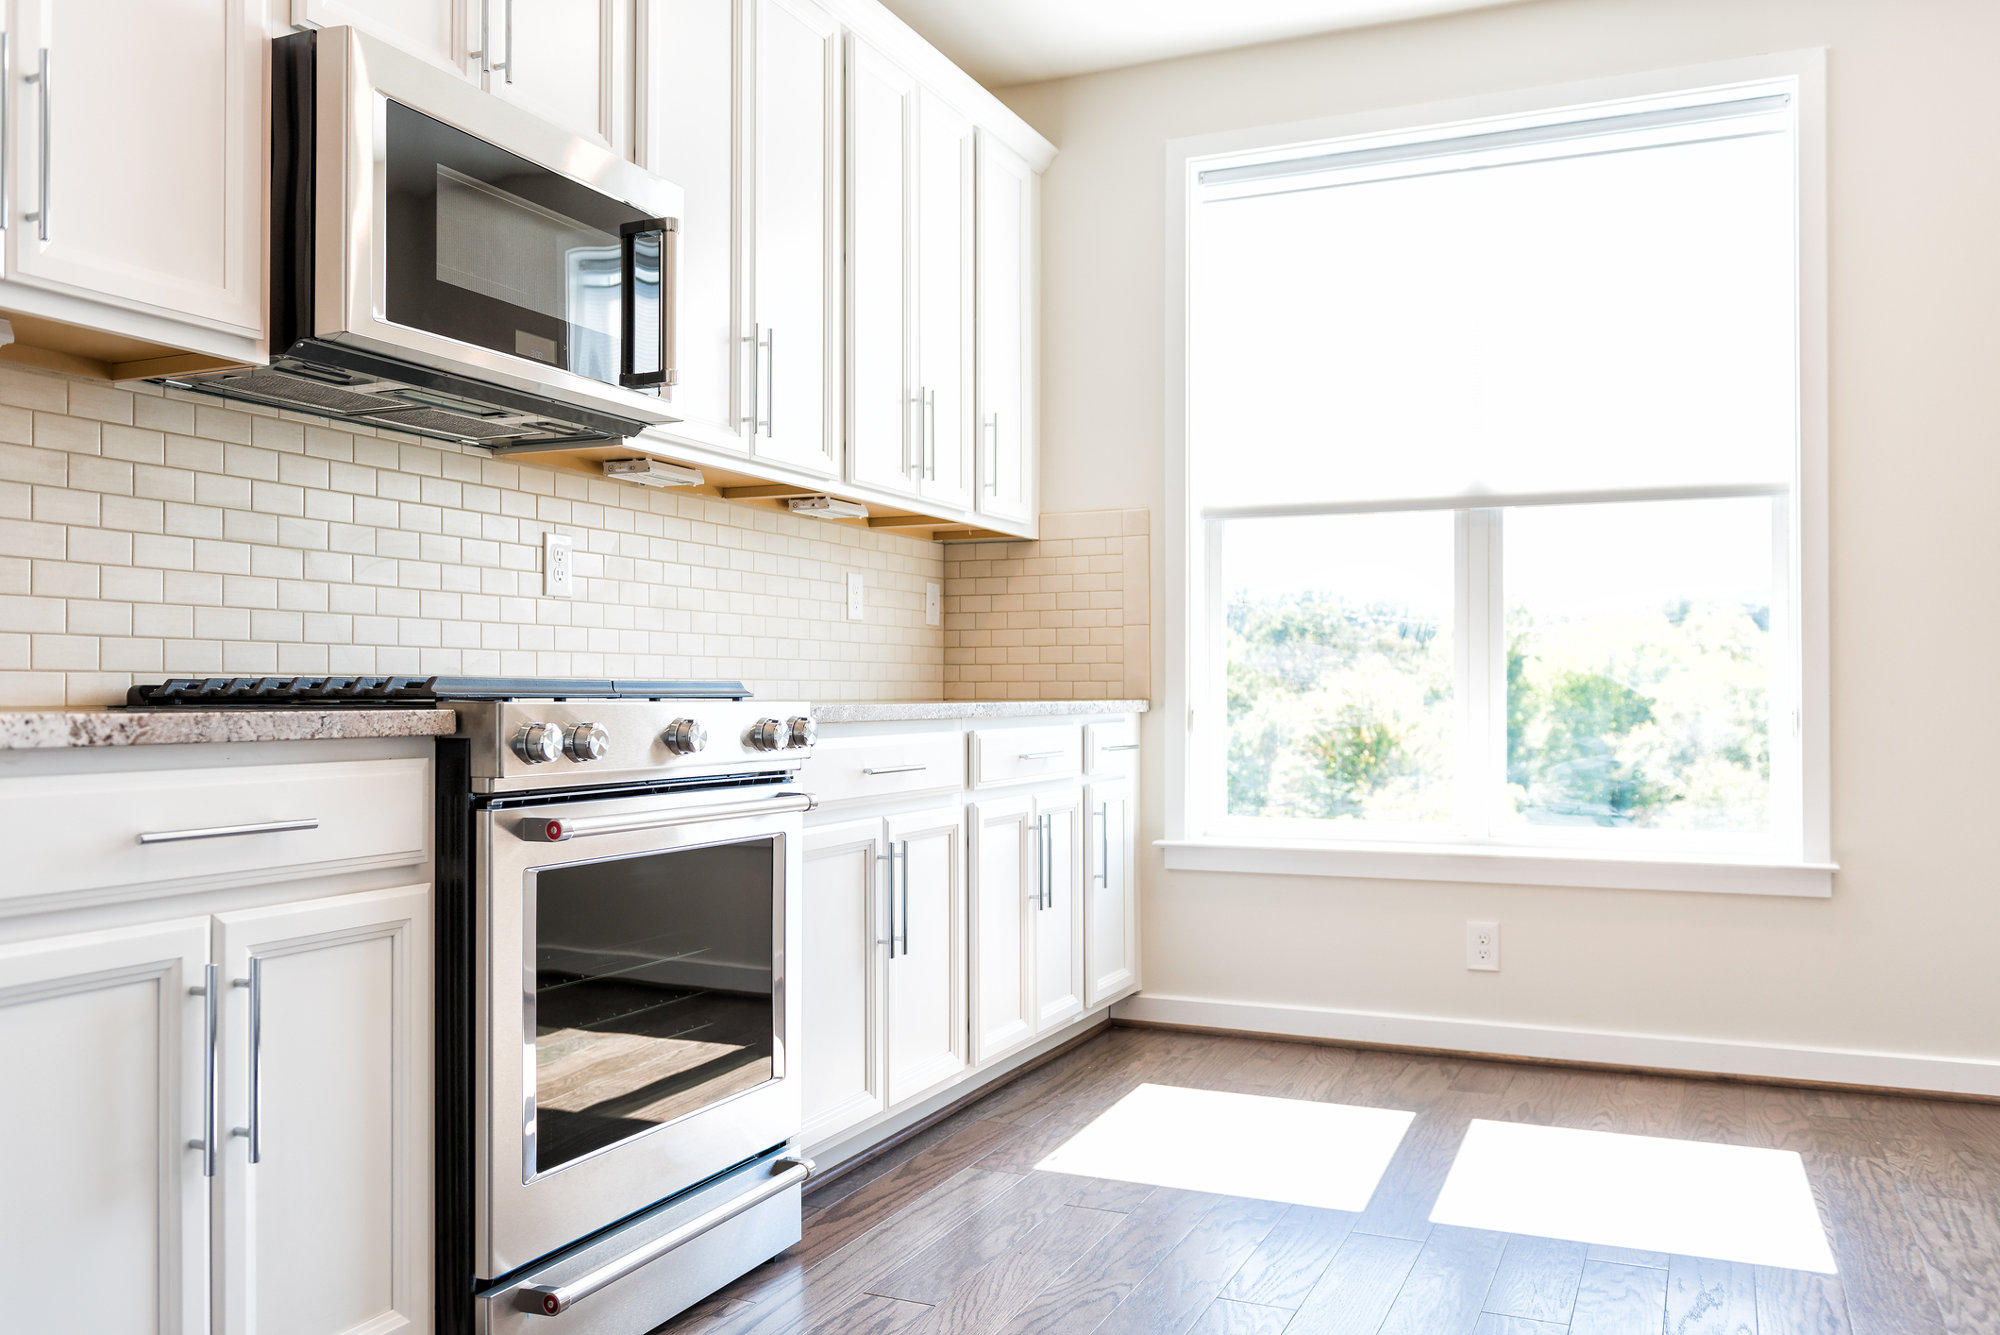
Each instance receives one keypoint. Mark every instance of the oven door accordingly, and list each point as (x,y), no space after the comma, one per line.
(459,232)
(634,1005)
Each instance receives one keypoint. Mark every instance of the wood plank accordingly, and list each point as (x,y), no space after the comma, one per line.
(1191,1276)
(990,1297)
(996,1227)
(871,1315)
(1799,1302)
(1283,1270)
(1401,1205)
(1613,1299)
(1628,1256)
(1357,1288)
(1960,1243)
(1475,1077)
(1121,1197)
(1537,1279)
(1101,1280)
(1709,1297)
(1713,1110)
(1224,1317)
(851,1215)
(1447,1286)
(1492,1323)
(1882,1272)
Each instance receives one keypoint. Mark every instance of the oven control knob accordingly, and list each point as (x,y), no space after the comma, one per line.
(768,734)
(584,742)
(801,732)
(684,737)
(538,743)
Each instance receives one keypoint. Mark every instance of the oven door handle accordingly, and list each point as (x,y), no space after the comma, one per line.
(555,1299)
(561,829)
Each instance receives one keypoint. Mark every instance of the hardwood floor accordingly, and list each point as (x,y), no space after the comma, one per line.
(955,1232)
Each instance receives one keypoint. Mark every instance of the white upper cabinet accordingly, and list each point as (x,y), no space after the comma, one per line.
(793,340)
(944,300)
(443,32)
(1005,318)
(568,61)
(691,114)
(883,423)
(165,220)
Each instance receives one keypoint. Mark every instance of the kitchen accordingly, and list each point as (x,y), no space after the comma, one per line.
(819,551)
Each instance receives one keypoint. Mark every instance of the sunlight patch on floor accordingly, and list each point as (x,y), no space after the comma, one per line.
(1290,1150)
(1650,1193)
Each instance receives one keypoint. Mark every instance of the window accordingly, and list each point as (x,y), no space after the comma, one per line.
(1500,471)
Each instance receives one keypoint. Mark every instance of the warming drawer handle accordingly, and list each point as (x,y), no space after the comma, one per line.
(892,769)
(544,830)
(1043,755)
(555,1299)
(227,831)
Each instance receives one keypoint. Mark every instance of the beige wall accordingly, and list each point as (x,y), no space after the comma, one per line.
(1901,959)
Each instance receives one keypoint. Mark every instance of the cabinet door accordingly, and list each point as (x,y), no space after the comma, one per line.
(326,1080)
(441,31)
(944,300)
(797,82)
(691,122)
(168,221)
(105,1222)
(884,422)
(1058,926)
(1004,244)
(926,1020)
(1111,911)
(561,59)
(839,977)
(1003,905)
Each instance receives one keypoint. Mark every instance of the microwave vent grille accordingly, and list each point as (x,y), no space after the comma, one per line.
(452,424)
(282,388)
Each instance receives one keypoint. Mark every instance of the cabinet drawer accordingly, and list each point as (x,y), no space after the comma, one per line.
(850,769)
(98,831)
(1017,755)
(1111,747)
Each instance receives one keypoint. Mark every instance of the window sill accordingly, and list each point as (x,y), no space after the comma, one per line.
(1421,862)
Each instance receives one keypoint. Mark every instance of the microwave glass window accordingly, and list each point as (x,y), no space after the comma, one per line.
(653,996)
(489,249)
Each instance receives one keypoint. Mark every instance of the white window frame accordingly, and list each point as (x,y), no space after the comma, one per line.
(1802,799)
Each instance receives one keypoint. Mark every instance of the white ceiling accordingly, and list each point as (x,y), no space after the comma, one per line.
(1001,42)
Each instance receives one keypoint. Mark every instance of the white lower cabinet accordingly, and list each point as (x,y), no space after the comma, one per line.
(1110,916)
(1057,916)
(1003,985)
(110,1204)
(884,967)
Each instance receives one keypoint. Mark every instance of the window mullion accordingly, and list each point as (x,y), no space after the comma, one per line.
(1480,676)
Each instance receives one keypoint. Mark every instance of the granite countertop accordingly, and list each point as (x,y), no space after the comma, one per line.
(898,711)
(60,729)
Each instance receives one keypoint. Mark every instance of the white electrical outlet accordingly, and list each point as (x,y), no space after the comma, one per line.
(558,566)
(1482,946)
(933,605)
(854,600)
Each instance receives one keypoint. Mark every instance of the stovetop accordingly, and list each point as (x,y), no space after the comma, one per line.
(408,692)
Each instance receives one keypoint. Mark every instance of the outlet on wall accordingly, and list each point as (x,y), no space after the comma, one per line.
(558,566)
(933,605)
(854,600)
(1482,946)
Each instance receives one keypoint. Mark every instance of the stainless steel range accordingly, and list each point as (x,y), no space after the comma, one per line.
(617,887)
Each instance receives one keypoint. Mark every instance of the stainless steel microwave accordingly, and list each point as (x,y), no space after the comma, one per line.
(446,263)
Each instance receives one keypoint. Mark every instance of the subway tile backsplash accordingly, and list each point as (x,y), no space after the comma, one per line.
(147,532)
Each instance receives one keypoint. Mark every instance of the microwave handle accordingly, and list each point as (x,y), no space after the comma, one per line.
(666,373)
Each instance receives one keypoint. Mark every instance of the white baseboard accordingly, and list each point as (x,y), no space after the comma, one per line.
(1834,1066)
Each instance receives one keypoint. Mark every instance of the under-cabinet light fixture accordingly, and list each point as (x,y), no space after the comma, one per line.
(826,507)
(652,473)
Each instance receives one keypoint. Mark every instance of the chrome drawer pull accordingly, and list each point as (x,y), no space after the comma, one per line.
(1122,746)
(1042,755)
(543,830)
(894,769)
(227,831)
(555,1299)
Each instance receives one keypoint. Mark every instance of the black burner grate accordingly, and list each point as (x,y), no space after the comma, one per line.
(408,692)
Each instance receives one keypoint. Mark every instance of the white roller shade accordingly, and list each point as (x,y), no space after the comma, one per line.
(1599,307)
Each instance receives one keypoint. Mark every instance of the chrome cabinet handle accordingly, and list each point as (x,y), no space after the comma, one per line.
(6,125)
(483,54)
(556,830)
(993,453)
(1037,859)
(930,434)
(770,397)
(1049,863)
(227,831)
(1103,876)
(555,1299)
(507,16)
(211,980)
(893,769)
(756,358)
(254,1132)
(889,940)
(1122,746)
(40,217)
(906,899)
(1041,755)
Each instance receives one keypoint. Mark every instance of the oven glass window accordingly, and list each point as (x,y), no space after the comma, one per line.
(487,248)
(653,993)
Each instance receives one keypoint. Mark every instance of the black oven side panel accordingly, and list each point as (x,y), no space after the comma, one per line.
(456,938)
